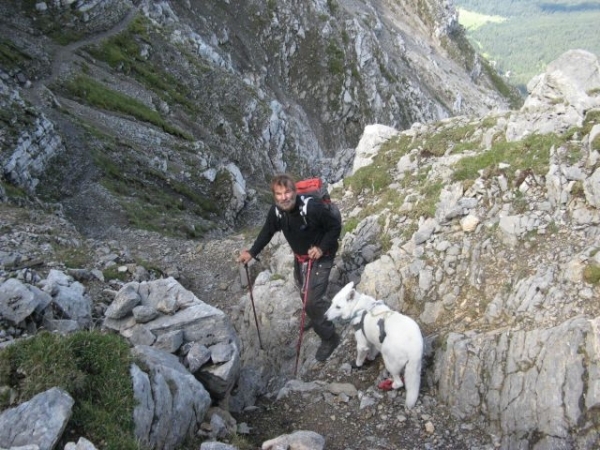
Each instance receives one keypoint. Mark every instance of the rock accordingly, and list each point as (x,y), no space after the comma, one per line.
(299,440)
(39,421)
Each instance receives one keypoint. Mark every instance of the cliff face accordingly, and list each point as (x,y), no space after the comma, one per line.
(191,106)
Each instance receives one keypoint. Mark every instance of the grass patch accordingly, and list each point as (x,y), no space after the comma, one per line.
(591,274)
(152,201)
(10,56)
(472,20)
(72,257)
(456,139)
(113,273)
(372,178)
(349,225)
(531,153)
(13,191)
(122,52)
(335,58)
(96,94)
(376,177)
(92,367)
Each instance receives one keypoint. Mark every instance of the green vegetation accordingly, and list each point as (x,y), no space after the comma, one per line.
(416,193)
(52,22)
(332,6)
(113,273)
(372,178)
(10,56)
(13,191)
(72,257)
(523,36)
(100,96)
(92,367)
(152,201)
(123,52)
(473,21)
(336,58)
(350,225)
(591,273)
(531,153)
(454,138)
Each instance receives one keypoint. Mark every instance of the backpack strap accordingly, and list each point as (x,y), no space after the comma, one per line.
(305,200)
(303,209)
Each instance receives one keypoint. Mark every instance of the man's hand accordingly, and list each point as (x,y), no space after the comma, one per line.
(245,257)
(315,252)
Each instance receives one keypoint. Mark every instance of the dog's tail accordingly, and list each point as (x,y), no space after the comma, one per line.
(412,381)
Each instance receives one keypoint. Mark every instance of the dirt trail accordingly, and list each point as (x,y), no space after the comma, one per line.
(62,57)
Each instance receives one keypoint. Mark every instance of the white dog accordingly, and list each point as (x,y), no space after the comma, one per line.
(380,329)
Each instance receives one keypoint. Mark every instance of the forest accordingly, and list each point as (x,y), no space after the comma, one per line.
(520,37)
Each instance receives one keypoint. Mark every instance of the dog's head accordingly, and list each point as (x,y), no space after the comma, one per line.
(342,304)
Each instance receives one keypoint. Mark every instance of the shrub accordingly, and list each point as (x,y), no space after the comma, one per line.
(591,274)
(92,367)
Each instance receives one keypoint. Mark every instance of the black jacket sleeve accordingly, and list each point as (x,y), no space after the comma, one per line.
(270,227)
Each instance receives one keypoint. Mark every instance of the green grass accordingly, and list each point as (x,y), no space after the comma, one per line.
(92,367)
(472,20)
(96,94)
(349,225)
(453,138)
(10,56)
(531,153)
(370,179)
(122,52)
(591,274)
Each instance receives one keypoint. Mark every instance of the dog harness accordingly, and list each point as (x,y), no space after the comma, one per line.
(360,325)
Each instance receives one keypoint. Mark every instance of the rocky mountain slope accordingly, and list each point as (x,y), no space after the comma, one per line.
(484,227)
(191,109)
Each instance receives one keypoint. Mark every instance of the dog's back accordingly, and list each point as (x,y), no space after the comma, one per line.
(399,339)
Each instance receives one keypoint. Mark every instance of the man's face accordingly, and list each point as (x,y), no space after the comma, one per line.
(285,198)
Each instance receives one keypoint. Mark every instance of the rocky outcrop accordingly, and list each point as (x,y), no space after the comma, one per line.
(499,273)
(168,317)
(186,353)
(171,402)
(569,85)
(33,146)
(39,422)
(542,381)
(59,303)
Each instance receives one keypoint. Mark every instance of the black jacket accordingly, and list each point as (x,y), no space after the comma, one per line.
(321,229)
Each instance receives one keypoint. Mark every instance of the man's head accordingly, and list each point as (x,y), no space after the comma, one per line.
(284,192)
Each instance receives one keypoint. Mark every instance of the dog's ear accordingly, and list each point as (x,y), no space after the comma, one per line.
(351,294)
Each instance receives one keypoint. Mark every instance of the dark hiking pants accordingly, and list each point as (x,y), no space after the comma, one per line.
(317,302)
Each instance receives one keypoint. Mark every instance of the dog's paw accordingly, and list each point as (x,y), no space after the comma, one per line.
(366,363)
(386,385)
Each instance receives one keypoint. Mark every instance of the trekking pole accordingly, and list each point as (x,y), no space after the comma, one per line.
(306,281)
(253,307)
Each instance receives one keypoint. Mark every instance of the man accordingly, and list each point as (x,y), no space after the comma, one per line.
(313,236)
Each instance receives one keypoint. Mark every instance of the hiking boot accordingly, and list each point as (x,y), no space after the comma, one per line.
(327,347)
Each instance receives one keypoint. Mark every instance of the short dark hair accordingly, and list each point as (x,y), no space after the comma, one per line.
(284,180)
